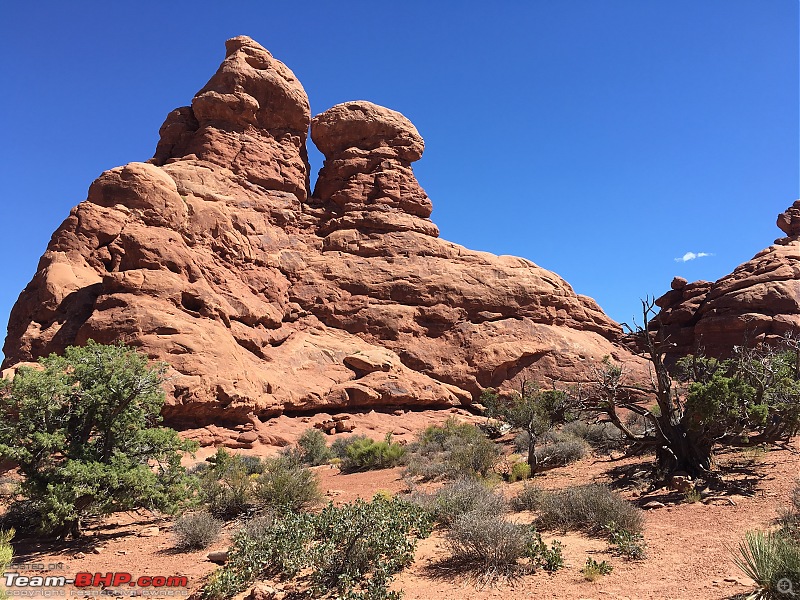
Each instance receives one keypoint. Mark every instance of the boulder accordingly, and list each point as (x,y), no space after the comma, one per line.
(218,556)
(366,182)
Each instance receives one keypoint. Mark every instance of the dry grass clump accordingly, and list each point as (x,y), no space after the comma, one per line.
(451,501)
(195,531)
(562,452)
(592,508)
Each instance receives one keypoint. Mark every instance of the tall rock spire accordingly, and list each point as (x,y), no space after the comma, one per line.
(251,117)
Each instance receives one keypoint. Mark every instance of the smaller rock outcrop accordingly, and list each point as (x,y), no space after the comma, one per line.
(759,301)
(366,182)
(789,220)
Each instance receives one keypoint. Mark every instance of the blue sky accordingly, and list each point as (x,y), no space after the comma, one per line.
(599,139)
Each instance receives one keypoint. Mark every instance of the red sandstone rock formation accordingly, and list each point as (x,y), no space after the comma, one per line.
(214,258)
(759,301)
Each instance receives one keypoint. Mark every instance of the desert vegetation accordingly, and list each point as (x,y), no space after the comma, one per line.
(6,554)
(353,550)
(457,498)
(772,558)
(475,486)
(196,530)
(451,451)
(83,430)
(481,537)
(594,509)
(352,453)
(593,569)
(533,412)
(232,485)
(225,485)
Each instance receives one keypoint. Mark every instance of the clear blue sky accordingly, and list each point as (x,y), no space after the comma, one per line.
(600,139)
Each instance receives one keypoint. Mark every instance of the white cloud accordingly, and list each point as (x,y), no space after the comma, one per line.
(692,255)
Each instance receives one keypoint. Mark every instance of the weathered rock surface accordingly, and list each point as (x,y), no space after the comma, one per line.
(214,257)
(759,301)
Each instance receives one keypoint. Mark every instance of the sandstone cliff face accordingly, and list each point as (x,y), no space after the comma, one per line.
(759,301)
(214,257)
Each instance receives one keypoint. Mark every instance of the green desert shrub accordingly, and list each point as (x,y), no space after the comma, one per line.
(692,496)
(519,471)
(267,546)
(451,451)
(551,559)
(313,447)
(84,431)
(789,519)
(436,437)
(592,508)
(593,570)
(451,501)
(340,445)
(772,560)
(197,530)
(23,516)
(626,543)
(367,543)
(476,458)
(286,484)
(226,487)
(367,454)
(253,465)
(351,551)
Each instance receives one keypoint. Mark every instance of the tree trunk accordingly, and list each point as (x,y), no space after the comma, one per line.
(685,452)
(532,461)
(68,530)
